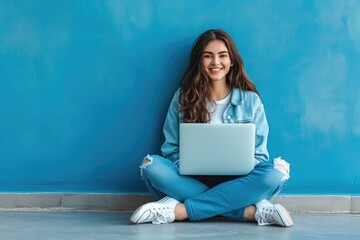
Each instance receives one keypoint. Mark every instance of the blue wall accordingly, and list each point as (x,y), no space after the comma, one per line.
(85,86)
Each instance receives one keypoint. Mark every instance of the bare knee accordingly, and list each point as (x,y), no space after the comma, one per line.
(147,160)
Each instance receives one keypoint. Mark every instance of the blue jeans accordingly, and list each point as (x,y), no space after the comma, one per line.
(209,196)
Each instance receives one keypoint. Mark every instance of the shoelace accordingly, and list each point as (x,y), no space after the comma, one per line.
(266,215)
(162,215)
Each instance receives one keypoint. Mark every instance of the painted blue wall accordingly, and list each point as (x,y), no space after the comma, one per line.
(85,86)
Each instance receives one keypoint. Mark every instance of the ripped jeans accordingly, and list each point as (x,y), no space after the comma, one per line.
(209,196)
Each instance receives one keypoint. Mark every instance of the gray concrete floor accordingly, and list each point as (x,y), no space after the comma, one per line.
(49,225)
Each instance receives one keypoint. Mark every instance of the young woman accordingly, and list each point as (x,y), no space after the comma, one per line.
(214,89)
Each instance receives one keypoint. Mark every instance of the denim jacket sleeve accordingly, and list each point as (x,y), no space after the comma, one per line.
(262,131)
(170,148)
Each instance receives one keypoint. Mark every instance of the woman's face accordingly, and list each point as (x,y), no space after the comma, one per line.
(216,60)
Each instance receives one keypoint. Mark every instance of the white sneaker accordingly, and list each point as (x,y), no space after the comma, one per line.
(158,212)
(268,214)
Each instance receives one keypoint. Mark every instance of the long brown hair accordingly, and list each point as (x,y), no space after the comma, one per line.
(195,88)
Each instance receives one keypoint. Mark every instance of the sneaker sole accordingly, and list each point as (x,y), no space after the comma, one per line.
(284,215)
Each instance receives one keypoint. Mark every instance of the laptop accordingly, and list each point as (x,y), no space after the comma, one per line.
(216,149)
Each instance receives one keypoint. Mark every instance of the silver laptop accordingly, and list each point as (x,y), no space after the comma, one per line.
(216,149)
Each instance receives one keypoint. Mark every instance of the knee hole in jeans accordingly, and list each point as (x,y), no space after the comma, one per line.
(146,162)
(282,166)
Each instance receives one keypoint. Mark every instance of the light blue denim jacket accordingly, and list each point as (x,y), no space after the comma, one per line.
(244,107)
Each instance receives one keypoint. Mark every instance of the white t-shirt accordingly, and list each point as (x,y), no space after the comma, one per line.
(217,109)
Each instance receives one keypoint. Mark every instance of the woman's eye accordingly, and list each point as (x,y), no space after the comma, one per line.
(207,56)
(223,55)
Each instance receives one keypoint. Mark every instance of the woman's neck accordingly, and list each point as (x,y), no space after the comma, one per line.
(219,91)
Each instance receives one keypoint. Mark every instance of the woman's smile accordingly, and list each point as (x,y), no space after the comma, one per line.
(216,60)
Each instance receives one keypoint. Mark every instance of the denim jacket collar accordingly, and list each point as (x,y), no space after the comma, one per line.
(236,96)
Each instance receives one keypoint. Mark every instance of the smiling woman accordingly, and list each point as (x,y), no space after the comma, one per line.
(215,89)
